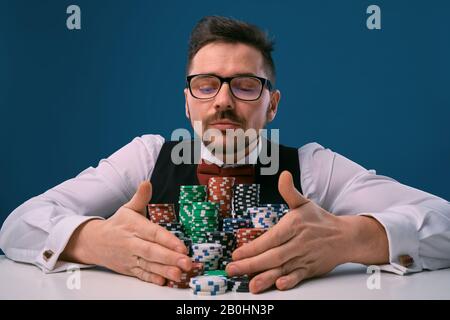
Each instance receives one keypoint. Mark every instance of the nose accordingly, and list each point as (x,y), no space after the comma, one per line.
(224,99)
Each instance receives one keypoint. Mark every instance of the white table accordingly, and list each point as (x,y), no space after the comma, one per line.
(349,281)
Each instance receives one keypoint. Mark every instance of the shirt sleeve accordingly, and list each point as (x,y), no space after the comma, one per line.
(38,230)
(417,223)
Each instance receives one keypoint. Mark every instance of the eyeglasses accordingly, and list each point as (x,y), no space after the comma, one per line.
(207,86)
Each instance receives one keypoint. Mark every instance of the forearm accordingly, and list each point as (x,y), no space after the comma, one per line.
(366,240)
(82,245)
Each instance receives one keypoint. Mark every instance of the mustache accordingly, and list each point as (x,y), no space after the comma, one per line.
(224,115)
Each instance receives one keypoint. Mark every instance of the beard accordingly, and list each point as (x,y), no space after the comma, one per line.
(230,145)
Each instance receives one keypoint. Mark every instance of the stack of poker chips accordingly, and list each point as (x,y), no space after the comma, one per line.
(244,196)
(161,212)
(204,219)
(247,235)
(197,270)
(263,217)
(211,235)
(189,195)
(194,193)
(208,254)
(220,191)
(239,283)
(280,208)
(233,224)
(226,240)
(208,285)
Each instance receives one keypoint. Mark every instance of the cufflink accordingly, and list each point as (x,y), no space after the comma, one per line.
(405,260)
(47,254)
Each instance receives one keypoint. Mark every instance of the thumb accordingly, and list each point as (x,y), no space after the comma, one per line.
(290,194)
(141,198)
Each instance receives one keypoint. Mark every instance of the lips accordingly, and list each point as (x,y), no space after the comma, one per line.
(223,125)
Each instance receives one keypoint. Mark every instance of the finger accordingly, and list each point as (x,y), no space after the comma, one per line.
(290,194)
(141,198)
(267,260)
(156,253)
(292,279)
(148,276)
(274,237)
(168,272)
(265,280)
(152,232)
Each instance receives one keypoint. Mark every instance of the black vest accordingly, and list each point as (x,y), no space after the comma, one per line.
(167,177)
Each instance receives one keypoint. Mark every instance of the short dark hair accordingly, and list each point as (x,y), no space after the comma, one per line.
(222,29)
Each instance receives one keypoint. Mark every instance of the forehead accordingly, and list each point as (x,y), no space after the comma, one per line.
(228,59)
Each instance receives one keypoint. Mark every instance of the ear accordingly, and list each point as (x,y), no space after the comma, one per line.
(186,93)
(275,97)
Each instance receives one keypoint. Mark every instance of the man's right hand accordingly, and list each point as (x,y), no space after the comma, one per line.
(130,244)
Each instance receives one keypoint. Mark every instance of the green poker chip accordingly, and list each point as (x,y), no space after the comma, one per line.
(220,273)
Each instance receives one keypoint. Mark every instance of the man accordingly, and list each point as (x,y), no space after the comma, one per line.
(339,211)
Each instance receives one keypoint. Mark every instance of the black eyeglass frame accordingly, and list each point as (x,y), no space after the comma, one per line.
(265,83)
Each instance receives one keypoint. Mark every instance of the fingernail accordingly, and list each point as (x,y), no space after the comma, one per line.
(232,269)
(183,263)
(282,283)
(258,285)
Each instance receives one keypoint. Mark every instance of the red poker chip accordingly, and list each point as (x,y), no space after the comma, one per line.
(246,235)
(161,212)
(197,270)
(220,191)
(250,231)
(179,285)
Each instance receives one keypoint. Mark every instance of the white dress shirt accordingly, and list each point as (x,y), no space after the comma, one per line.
(417,223)
(250,158)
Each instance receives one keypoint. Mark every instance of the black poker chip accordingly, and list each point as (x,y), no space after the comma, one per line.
(239,283)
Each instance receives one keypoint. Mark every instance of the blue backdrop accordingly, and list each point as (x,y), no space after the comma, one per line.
(70,98)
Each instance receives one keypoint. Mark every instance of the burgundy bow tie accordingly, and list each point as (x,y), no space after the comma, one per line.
(244,174)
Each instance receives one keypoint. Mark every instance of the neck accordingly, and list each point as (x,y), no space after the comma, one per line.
(248,155)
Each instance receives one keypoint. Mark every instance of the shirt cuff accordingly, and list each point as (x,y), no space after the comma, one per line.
(403,242)
(56,242)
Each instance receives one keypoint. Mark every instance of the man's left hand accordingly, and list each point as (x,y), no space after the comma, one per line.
(308,241)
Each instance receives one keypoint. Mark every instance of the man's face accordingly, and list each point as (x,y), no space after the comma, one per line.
(224,111)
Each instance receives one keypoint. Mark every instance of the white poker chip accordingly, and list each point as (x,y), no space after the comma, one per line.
(205,293)
(205,281)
